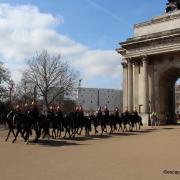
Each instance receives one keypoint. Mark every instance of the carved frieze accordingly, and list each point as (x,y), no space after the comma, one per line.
(152,45)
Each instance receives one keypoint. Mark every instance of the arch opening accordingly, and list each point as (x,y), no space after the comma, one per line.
(177,100)
(167,96)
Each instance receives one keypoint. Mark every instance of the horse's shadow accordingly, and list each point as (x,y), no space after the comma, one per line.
(91,137)
(54,143)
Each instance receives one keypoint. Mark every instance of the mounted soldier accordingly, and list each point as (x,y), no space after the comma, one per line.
(26,109)
(116,112)
(99,112)
(18,109)
(106,111)
(81,111)
(59,112)
(34,109)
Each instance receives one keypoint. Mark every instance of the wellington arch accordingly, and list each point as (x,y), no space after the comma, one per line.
(151,66)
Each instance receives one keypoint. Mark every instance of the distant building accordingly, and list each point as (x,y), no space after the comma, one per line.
(92,98)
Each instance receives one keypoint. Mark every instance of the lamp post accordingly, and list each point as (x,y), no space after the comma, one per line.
(25,91)
(11,88)
(149,113)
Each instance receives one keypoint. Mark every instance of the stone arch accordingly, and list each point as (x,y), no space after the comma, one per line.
(166,93)
(151,66)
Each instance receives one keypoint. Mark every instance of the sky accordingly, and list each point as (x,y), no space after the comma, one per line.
(85,32)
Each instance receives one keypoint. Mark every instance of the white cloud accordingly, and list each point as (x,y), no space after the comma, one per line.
(104,63)
(24,30)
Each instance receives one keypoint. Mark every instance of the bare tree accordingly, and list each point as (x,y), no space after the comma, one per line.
(4,80)
(51,76)
(24,91)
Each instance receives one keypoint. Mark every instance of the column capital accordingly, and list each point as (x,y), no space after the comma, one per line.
(124,64)
(128,59)
(144,58)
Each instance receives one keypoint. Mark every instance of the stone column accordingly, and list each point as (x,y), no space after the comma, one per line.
(130,86)
(145,98)
(135,85)
(125,84)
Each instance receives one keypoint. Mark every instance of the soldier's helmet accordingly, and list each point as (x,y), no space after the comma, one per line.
(80,108)
(105,108)
(58,108)
(34,104)
(17,106)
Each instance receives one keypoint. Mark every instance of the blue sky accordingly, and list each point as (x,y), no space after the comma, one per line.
(86,32)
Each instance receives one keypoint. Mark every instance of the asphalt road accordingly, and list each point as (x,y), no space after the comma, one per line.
(150,154)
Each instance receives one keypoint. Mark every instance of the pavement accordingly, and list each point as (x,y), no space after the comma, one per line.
(148,154)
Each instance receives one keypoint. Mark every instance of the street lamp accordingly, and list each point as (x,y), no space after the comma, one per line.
(11,88)
(25,91)
(149,113)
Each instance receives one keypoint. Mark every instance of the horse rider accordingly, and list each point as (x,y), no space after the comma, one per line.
(106,111)
(77,112)
(34,109)
(26,109)
(99,111)
(18,109)
(59,112)
(81,111)
(135,113)
(51,111)
(116,112)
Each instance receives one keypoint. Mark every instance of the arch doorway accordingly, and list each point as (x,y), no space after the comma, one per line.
(167,96)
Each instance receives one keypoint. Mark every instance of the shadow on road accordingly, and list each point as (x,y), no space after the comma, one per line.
(74,141)
(54,143)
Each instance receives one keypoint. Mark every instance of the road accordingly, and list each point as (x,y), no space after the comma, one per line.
(147,154)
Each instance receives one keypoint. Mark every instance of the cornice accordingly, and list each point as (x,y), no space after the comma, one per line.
(151,37)
(165,17)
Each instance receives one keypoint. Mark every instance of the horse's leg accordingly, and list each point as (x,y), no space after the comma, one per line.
(10,130)
(101,130)
(125,127)
(18,130)
(110,129)
(52,134)
(105,128)
(74,132)
(60,131)
(80,130)
(130,127)
(120,127)
(96,131)
(22,134)
(65,135)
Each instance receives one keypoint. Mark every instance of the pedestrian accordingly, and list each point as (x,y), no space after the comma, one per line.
(153,119)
